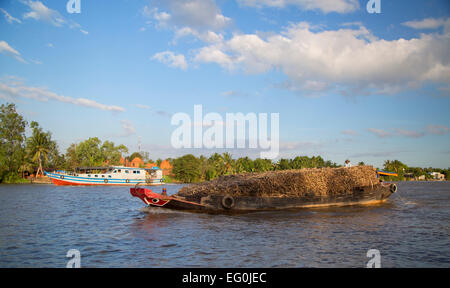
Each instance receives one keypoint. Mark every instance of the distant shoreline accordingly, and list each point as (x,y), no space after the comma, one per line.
(30,182)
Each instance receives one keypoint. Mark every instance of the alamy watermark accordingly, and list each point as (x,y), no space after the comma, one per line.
(73,6)
(373,6)
(230,134)
(375,261)
(75,261)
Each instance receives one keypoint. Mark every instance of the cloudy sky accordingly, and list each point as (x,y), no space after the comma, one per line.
(346,83)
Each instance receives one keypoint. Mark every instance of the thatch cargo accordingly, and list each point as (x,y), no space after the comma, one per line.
(275,190)
(287,183)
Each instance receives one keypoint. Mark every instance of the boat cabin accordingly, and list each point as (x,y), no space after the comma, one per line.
(119,172)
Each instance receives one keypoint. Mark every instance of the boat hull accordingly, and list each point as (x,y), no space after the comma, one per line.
(70,180)
(218,203)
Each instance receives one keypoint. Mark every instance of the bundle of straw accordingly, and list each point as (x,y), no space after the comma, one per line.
(287,183)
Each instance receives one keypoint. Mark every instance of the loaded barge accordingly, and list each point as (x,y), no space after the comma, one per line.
(237,199)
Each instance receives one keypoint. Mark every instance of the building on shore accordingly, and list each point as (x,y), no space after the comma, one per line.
(438,176)
(411,177)
(165,166)
(421,178)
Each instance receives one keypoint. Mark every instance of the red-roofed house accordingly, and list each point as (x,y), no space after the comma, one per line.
(166,167)
(150,165)
(137,162)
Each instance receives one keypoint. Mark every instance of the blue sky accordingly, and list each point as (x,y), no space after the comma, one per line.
(346,83)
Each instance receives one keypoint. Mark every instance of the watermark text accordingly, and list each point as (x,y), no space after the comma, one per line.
(231,133)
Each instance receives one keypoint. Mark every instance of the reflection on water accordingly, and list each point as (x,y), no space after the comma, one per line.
(112,229)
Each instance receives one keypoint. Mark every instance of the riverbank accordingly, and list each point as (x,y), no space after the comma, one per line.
(38,180)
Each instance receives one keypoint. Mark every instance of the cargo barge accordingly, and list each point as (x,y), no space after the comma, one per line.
(234,204)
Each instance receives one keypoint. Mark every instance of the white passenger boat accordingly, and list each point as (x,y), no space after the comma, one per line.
(116,175)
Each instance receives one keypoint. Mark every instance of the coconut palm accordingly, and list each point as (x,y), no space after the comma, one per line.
(228,162)
(39,146)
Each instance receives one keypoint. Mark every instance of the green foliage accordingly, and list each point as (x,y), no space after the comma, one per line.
(446,172)
(135,155)
(192,169)
(19,154)
(112,153)
(187,168)
(92,152)
(300,162)
(12,137)
(397,167)
(40,148)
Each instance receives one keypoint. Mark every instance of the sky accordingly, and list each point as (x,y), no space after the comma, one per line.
(346,83)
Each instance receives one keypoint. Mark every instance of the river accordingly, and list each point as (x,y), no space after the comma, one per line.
(40,223)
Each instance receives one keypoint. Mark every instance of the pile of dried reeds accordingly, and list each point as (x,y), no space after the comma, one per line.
(287,183)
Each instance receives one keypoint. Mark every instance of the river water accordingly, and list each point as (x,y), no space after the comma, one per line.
(40,223)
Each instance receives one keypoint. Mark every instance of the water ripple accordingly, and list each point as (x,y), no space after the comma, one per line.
(40,223)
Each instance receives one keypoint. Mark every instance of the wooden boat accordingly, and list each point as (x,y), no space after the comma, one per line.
(386,173)
(110,176)
(232,204)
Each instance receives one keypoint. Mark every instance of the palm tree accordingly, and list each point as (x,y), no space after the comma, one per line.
(39,146)
(229,163)
(216,161)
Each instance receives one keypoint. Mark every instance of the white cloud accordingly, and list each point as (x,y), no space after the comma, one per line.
(17,89)
(344,60)
(205,36)
(162,18)
(429,23)
(326,6)
(379,132)
(8,50)
(199,18)
(216,55)
(171,59)
(128,128)
(10,18)
(199,14)
(40,12)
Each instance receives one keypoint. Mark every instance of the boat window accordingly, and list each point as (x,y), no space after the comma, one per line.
(96,175)
(120,171)
(126,171)
(109,176)
(138,172)
(115,171)
(103,176)
(89,175)
(134,171)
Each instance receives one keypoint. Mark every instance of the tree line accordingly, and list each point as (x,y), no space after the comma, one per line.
(20,154)
(405,172)
(189,169)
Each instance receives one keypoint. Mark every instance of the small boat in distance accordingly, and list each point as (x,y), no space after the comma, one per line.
(115,175)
